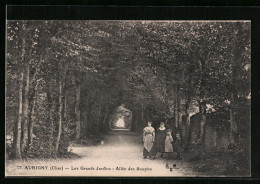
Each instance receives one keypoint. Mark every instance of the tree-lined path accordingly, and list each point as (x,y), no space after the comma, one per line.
(121,150)
(76,81)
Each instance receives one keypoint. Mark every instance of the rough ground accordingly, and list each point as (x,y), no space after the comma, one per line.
(119,155)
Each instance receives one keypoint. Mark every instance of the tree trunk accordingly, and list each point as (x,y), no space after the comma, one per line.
(187,115)
(65,105)
(187,125)
(105,118)
(17,128)
(30,125)
(83,118)
(90,107)
(52,110)
(77,112)
(59,113)
(110,117)
(233,125)
(138,119)
(99,114)
(24,135)
(110,123)
(147,115)
(134,119)
(176,106)
(202,106)
(201,140)
(142,113)
(32,101)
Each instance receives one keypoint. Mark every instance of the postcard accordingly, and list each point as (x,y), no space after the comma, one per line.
(128,98)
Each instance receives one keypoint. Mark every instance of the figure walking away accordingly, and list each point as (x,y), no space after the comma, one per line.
(168,146)
(148,139)
(160,135)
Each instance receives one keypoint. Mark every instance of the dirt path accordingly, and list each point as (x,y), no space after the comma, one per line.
(120,155)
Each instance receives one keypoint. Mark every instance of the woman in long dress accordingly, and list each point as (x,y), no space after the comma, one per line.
(160,136)
(148,139)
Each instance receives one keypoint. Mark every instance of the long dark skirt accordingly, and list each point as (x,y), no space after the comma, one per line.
(153,151)
(160,141)
(159,145)
(146,153)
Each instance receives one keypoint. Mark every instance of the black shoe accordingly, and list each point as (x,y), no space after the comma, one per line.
(174,165)
(145,157)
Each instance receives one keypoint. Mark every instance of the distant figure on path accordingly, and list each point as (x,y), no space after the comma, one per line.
(160,136)
(148,139)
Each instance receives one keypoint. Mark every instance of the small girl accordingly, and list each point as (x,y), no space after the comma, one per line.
(178,146)
(168,146)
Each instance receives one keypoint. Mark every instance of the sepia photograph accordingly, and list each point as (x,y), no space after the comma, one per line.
(128,98)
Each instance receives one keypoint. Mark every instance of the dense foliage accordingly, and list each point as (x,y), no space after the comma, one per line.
(64,79)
